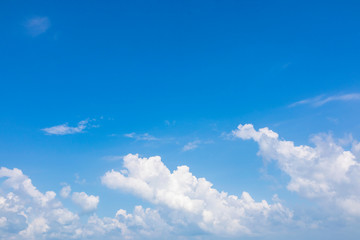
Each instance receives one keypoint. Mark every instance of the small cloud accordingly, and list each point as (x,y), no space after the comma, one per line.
(170,123)
(88,203)
(112,158)
(195,144)
(191,145)
(65,129)
(286,65)
(142,137)
(78,180)
(322,99)
(37,25)
(65,191)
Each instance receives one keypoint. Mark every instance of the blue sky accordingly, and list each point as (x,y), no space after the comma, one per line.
(86,83)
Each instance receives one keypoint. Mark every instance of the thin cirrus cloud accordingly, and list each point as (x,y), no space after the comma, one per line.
(65,129)
(322,99)
(191,145)
(112,158)
(37,25)
(141,137)
(325,172)
(194,144)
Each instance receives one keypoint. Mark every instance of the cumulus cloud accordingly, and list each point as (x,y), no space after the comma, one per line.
(193,201)
(326,171)
(37,25)
(27,213)
(87,203)
(65,129)
(321,100)
(142,137)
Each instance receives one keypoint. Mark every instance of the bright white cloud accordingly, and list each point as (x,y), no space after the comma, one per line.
(88,203)
(65,129)
(37,25)
(26,213)
(321,100)
(142,137)
(326,171)
(193,201)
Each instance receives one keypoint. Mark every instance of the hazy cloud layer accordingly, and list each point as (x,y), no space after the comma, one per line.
(37,25)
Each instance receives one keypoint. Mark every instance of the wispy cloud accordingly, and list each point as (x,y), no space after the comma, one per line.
(195,144)
(142,137)
(322,99)
(37,25)
(65,129)
(191,145)
(170,123)
(112,158)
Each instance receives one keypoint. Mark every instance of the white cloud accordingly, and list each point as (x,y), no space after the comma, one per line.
(64,129)
(26,213)
(143,137)
(321,100)
(88,203)
(65,191)
(192,201)
(37,25)
(326,172)
(191,145)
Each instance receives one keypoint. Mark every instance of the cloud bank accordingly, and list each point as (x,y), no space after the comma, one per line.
(27,213)
(325,172)
(192,201)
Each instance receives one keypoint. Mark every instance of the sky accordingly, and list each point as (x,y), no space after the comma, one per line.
(179,119)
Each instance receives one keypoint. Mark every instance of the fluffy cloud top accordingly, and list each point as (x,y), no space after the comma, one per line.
(326,171)
(26,213)
(192,200)
(88,203)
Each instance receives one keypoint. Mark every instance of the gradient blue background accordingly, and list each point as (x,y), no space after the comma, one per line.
(204,66)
